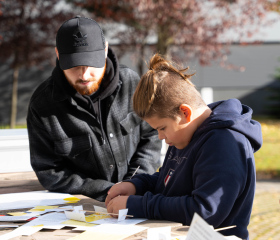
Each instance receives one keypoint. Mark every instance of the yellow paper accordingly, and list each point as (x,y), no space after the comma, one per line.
(17,213)
(41,208)
(46,207)
(77,223)
(94,217)
(72,199)
(36,210)
(41,225)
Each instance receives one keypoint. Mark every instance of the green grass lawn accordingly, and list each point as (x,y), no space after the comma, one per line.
(268,157)
(8,127)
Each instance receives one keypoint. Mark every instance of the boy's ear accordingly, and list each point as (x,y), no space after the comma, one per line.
(187,111)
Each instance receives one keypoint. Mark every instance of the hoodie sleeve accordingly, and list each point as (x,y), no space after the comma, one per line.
(144,183)
(222,170)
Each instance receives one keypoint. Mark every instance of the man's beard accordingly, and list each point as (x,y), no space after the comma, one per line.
(88,90)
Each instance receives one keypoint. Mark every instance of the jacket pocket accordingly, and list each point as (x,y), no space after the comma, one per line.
(74,146)
(78,154)
(129,124)
(130,127)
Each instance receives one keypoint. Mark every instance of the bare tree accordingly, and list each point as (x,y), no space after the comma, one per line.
(27,30)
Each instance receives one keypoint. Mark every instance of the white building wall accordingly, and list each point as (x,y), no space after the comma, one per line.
(14,151)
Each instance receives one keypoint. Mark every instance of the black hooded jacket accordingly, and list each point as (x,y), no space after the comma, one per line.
(85,144)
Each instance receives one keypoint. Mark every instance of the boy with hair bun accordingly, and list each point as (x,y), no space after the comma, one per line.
(209,166)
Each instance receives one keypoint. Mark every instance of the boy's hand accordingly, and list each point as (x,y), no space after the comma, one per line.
(117,204)
(122,188)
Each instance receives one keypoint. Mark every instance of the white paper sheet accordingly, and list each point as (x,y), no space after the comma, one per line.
(160,233)
(24,230)
(78,208)
(46,209)
(31,199)
(128,221)
(14,218)
(122,214)
(50,221)
(100,209)
(109,232)
(8,226)
(26,214)
(54,217)
(83,228)
(232,238)
(79,216)
(201,230)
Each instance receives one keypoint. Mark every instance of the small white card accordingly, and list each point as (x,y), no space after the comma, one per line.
(100,209)
(160,233)
(79,216)
(78,208)
(122,214)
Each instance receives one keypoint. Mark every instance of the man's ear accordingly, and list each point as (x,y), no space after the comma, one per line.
(57,54)
(187,111)
(106,49)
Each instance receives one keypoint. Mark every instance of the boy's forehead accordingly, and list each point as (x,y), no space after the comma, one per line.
(156,122)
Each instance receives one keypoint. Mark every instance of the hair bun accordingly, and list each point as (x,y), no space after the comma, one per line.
(156,62)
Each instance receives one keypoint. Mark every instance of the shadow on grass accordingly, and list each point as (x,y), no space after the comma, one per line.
(268,174)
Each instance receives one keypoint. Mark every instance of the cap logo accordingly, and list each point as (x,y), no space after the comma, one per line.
(80,39)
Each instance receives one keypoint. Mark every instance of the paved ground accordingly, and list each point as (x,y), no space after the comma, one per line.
(265,219)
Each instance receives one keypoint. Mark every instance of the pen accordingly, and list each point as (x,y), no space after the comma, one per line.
(224,228)
(135,172)
(106,213)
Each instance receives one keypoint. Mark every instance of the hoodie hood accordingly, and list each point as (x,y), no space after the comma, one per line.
(233,115)
(92,103)
(110,80)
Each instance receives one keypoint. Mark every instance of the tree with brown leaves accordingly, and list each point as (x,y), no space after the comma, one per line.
(182,28)
(27,30)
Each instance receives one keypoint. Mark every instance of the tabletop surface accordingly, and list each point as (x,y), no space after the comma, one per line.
(14,183)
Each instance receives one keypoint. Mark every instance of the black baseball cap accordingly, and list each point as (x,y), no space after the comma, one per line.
(80,42)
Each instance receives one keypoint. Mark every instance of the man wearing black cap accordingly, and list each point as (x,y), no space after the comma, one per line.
(83,133)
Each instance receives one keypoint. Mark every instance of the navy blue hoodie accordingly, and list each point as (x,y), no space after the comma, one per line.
(213,176)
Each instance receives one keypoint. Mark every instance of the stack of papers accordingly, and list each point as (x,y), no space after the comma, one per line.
(45,213)
(32,199)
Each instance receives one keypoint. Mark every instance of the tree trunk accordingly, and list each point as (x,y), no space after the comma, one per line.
(140,63)
(162,44)
(14,98)
(165,41)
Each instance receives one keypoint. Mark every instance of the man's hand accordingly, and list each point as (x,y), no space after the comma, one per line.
(120,189)
(117,204)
